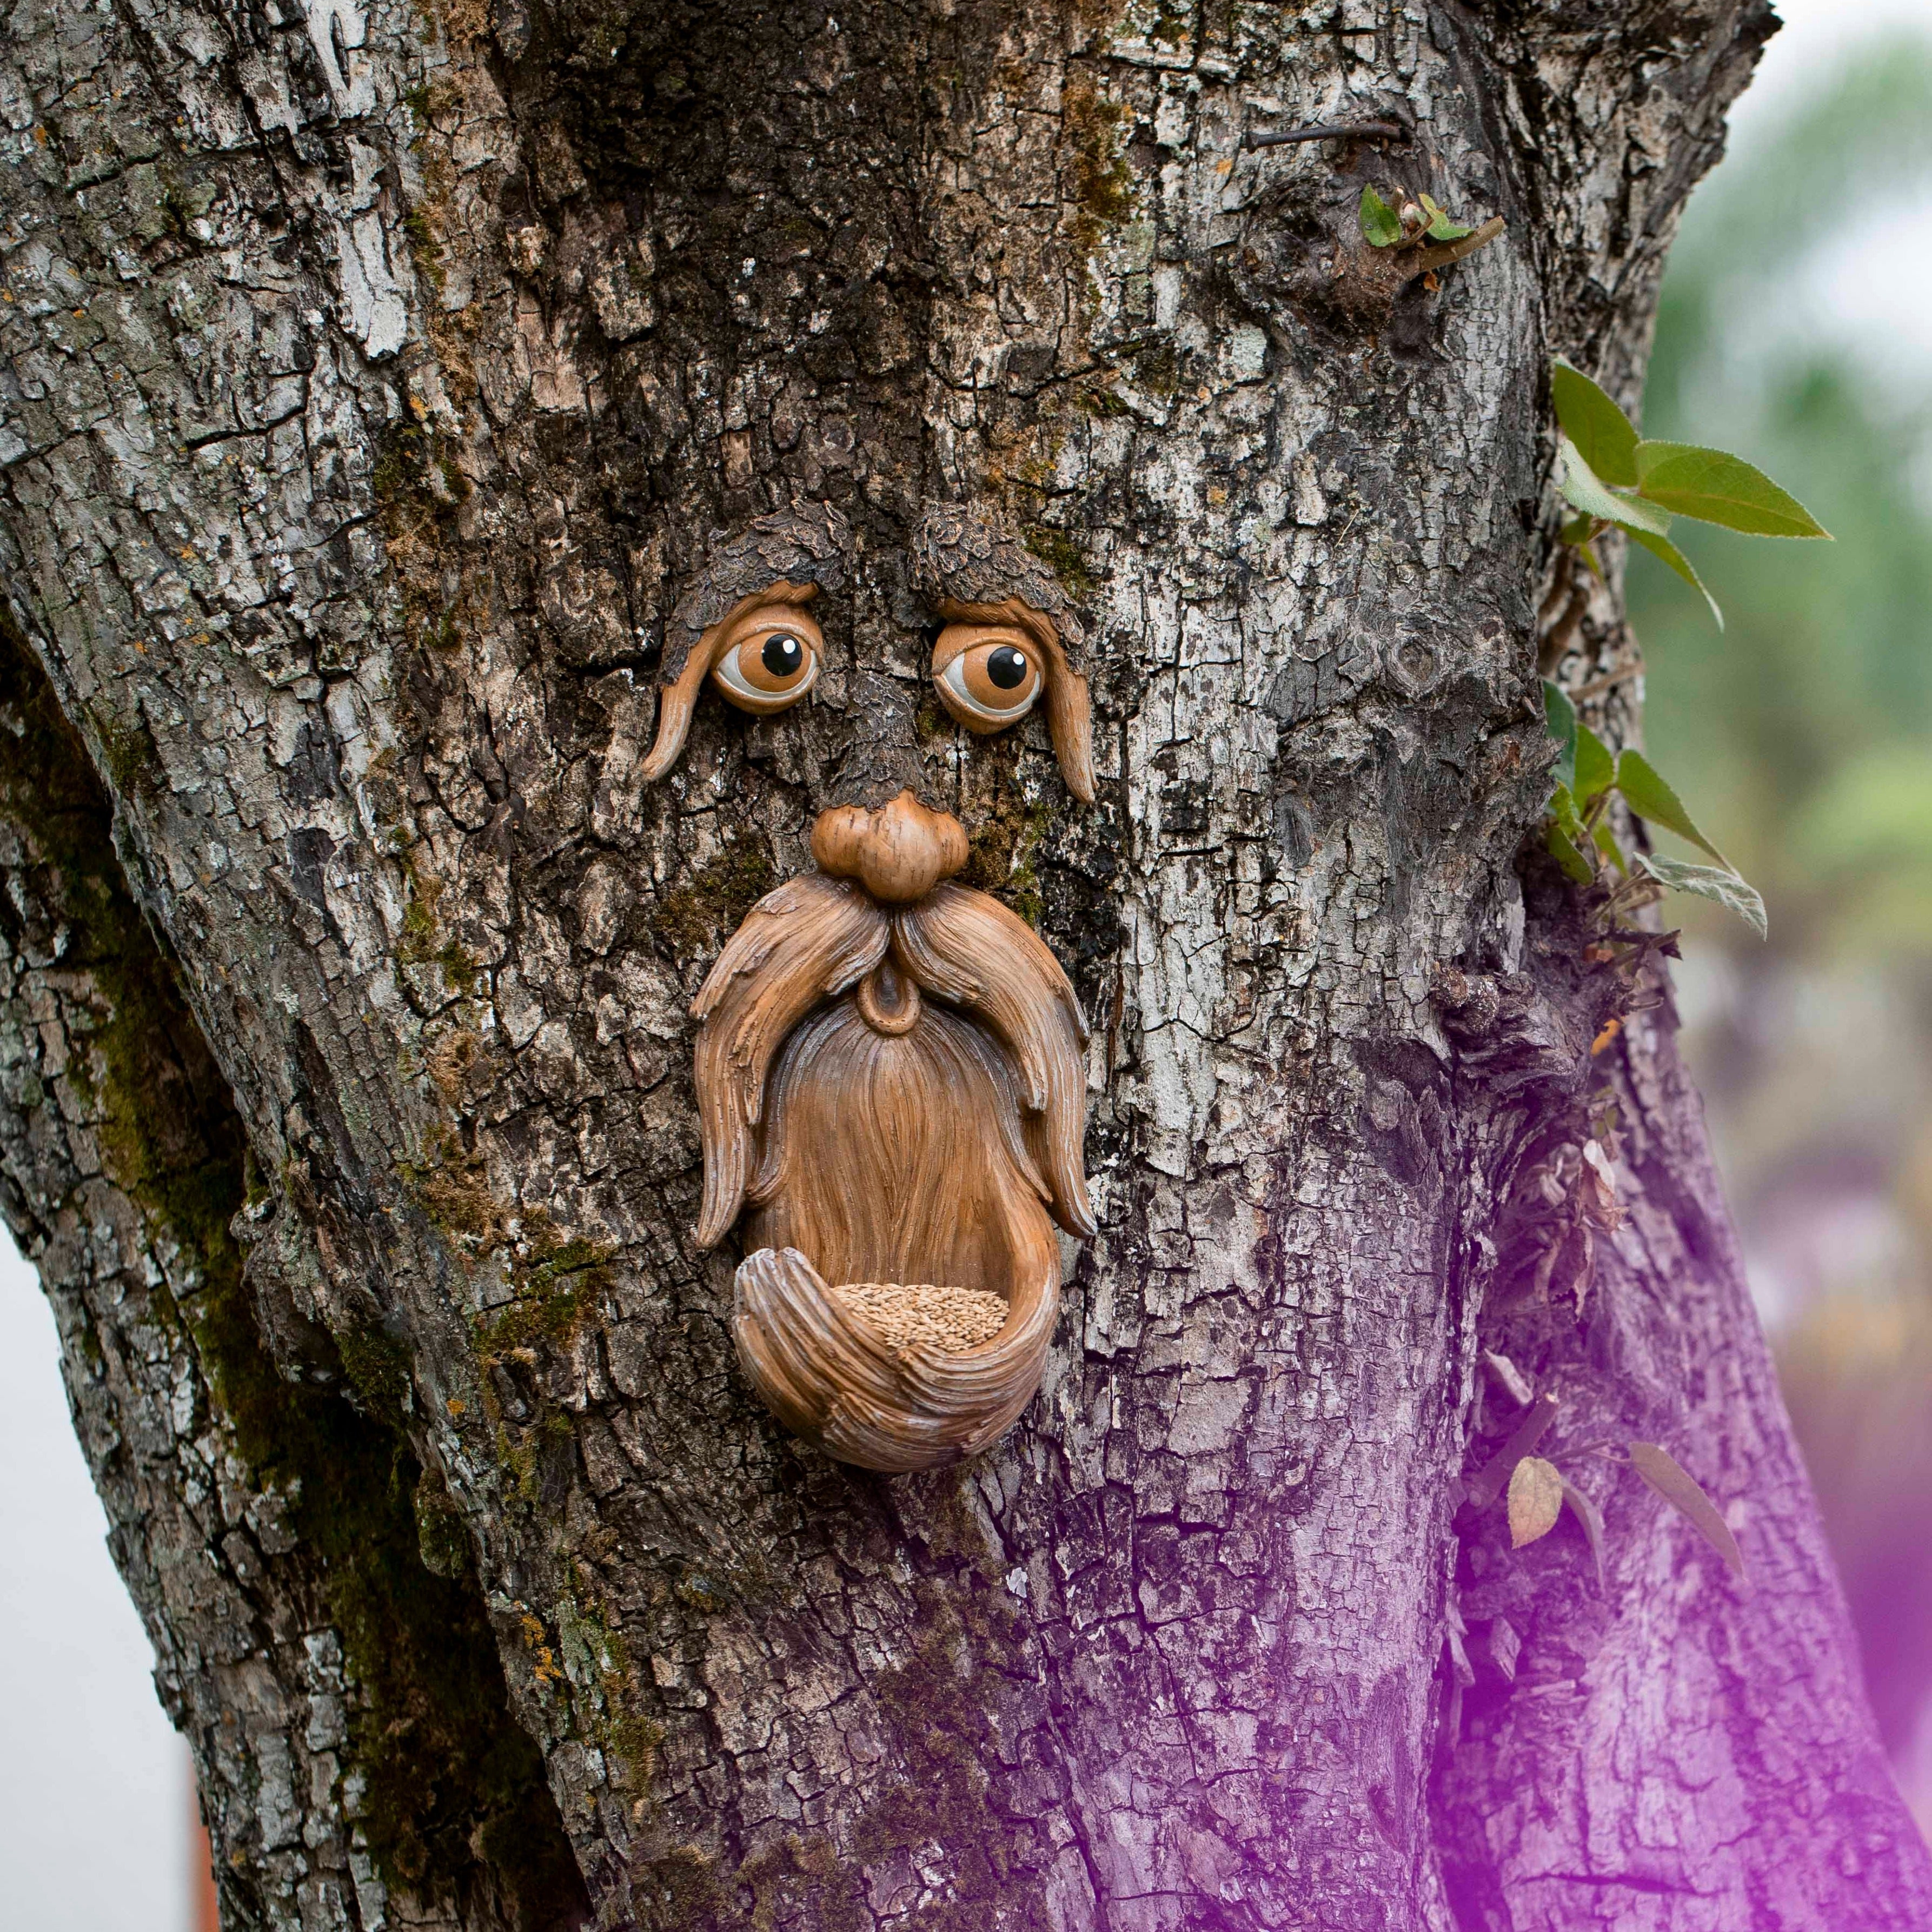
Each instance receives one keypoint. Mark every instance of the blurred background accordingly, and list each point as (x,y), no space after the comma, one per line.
(1797,330)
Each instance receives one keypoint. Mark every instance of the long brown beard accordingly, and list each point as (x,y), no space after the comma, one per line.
(900,1096)
(816,939)
(898,1158)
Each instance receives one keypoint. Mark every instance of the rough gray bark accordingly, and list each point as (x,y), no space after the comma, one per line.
(379,382)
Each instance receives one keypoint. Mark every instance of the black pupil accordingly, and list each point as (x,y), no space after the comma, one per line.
(1007,667)
(783,654)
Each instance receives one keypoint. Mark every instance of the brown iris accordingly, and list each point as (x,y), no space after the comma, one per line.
(771,660)
(989,675)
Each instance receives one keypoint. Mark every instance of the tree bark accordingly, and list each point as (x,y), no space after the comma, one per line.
(381,382)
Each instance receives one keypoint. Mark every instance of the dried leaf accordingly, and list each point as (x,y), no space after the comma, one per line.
(1459,1658)
(1679,1489)
(1489,1480)
(1591,1517)
(1597,1191)
(1535,1500)
(1502,1647)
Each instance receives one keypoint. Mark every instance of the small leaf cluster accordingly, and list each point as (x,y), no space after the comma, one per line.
(1613,478)
(1538,1490)
(1535,1491)
(1419,220)
(1587,774)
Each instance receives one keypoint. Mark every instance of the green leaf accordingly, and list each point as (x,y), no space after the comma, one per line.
(1564,836)
(1441,228)
(1594,424)
(1596,769)
(1651,798)
(1535,1500)
(1569,820)
(1584,490)
(1591,1517)
(1576,530)
(1563,849)
(1662,547)
(1679,1489)
(1559,714)
(1607,844)
(1724,888)
(1382,227)
(1716,488)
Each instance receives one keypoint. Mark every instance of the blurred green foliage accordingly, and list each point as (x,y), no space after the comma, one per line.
(1802,738)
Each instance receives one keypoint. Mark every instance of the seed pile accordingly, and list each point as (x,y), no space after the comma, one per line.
(949,1319)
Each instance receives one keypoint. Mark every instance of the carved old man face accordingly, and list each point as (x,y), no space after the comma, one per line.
(890,1067)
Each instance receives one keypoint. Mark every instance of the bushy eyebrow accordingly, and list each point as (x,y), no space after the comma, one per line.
(967,569)
(810,543)
(785,557)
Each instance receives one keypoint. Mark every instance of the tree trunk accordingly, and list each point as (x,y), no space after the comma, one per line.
(385,387)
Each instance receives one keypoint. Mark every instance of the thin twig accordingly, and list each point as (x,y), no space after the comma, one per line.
(1559,590)
(1489,1482)
(1608,681)
(1324,131)
(1440,257)
(1555,645)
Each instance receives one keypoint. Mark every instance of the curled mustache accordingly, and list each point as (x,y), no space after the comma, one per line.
(816,938)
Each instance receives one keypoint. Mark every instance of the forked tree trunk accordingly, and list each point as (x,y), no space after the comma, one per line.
(379,380)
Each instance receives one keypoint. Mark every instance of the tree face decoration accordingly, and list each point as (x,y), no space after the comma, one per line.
(890,1067)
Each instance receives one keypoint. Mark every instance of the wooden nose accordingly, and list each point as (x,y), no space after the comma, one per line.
(898,853)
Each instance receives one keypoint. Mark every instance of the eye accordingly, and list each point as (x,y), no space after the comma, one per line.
(772,660)
(989,676)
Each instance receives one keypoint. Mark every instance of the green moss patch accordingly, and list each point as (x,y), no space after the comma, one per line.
(1001,857)
(1102,182)
(697,918)
(554,1296)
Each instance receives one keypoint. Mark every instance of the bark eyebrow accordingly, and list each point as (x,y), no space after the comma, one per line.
(809,543)
(968,568)
(1069,711)
(785,555)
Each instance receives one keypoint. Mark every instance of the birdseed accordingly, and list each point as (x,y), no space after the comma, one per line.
(949,1319)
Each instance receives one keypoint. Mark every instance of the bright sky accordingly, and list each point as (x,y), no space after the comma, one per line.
(81,1715)
(1817,34)
(1864,288)
(86,1738)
